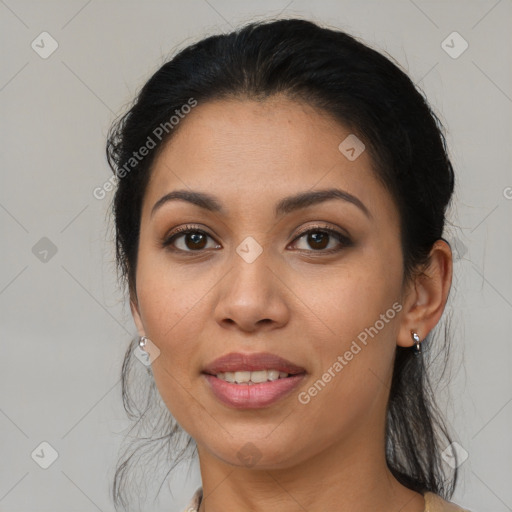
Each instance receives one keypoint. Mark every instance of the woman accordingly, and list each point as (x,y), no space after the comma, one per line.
(279,217)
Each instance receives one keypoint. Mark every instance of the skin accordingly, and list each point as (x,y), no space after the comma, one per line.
(293,300)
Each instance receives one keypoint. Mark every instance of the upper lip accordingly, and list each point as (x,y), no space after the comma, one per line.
(236,361)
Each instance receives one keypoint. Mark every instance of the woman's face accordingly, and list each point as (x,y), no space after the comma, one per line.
(248,280)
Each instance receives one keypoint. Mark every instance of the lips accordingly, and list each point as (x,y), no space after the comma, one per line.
(256,396)
(236,361)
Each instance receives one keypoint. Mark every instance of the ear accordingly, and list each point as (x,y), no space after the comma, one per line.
(134,306)
(427,295)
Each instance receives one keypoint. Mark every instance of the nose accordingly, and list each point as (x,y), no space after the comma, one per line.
(252,297)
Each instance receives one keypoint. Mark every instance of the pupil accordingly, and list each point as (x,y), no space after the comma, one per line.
(317,239)
(196,239)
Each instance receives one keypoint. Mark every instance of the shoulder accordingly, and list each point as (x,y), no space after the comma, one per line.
(434,503)
(193,505)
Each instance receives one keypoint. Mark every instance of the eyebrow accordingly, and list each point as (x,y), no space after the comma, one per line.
(284,206)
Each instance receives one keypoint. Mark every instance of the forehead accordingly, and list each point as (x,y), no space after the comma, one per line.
(248,151)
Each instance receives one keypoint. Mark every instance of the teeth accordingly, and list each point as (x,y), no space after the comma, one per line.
(229,376)
(252,377)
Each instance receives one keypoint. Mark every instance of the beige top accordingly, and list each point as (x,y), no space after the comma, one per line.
(433,503)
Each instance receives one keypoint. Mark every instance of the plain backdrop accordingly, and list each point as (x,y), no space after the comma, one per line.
(65,323)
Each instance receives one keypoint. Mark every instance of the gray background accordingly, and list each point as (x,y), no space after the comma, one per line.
(64,321)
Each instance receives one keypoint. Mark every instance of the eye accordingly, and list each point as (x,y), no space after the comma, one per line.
(319,237)
(193,239)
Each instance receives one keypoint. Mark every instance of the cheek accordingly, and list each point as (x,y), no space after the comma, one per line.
(355,358)
(170,296)
(348,300)
(171,318)
(356,339)
(170,308)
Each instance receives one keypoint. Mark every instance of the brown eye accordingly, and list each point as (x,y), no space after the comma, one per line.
(318,239)
(191,239)
(196,240)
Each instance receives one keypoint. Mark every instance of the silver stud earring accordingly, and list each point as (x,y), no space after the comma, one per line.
(416,339)
(142,342)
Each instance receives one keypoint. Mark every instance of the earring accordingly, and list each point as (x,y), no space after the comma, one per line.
(142,342)
(416,340)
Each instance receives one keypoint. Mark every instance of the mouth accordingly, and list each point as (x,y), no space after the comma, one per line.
(250,381)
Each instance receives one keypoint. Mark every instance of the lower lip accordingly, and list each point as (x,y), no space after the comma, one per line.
(253,396)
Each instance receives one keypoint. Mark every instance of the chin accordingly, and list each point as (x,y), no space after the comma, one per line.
(259,454)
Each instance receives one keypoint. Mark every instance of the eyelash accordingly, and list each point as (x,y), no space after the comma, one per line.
(342,239)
